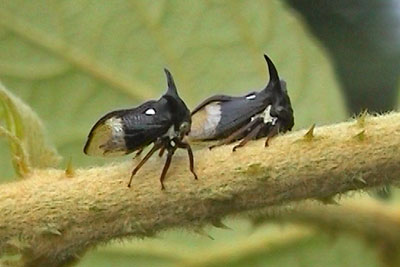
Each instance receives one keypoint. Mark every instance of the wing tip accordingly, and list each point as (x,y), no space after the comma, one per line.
(86,147)
(89,148)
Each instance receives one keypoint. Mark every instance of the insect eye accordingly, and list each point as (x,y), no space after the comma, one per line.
(184,128)
(279,109)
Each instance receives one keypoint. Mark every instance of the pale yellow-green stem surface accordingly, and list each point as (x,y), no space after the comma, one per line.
(51,217)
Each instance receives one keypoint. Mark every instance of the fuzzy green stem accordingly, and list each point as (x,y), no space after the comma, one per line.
(51,218)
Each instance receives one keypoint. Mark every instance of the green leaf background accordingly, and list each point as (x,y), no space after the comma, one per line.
(73,61)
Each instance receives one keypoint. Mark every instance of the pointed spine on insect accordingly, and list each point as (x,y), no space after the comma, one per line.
(163,123)
(255,115)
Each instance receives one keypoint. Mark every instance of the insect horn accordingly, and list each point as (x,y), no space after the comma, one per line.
(171,84)
(274,81)
(172,94)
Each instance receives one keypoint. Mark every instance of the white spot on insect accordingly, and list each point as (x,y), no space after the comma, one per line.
(150,111)
(172,143)
(171,132)
(266,115)
(250,97)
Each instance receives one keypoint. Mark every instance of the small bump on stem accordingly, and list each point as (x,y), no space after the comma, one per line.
(310,133)
(69,170)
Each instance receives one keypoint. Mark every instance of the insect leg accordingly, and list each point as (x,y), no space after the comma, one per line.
(186,146)
(236,134)
(161,153)
(272,133)
(138,153)
(157,145)
(248,137)
(166,167)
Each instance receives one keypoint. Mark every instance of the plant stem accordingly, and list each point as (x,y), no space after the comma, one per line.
(51,218)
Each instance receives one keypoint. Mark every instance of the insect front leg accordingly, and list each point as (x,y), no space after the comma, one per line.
(138,153)
(249,137)
(170,153)
(274,131)
(161,153)
(237,133)
(157,145)
(182,144)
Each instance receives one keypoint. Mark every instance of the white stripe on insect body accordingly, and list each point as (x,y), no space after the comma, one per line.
(205,122)
(213,118)
(116,127)
(117,134)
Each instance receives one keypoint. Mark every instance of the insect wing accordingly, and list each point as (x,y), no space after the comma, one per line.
(124,131)
(236,114)
(145,127)
(215,98)
(219,116)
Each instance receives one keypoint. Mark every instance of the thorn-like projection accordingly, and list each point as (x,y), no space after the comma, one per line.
(310,133)
(360,136)
(219,224)
(328,201)
(202,232)
(51,231)
(361,118)
(69,171)
(360,179)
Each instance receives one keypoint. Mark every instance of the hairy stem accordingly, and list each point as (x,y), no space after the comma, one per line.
(52,217)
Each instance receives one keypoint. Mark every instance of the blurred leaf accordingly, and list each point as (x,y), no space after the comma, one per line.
(238,247)
(73,61)
(25,133)
(317,251)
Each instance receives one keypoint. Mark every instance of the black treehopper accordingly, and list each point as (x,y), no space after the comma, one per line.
(163,122)
(255,115)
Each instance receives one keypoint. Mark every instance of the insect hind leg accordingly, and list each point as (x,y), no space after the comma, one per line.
(138,153)
(249,137)
(170,153)
(161,153)
(235,135)
(182,144)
